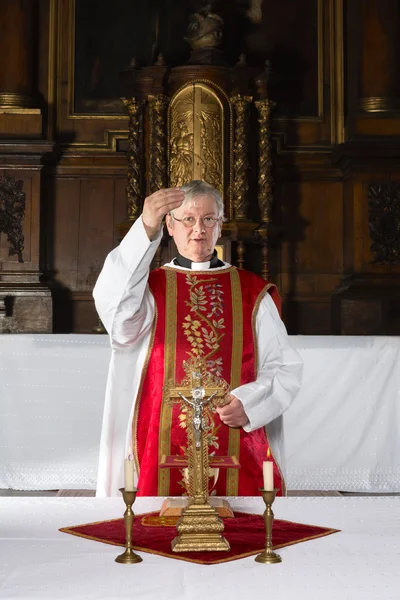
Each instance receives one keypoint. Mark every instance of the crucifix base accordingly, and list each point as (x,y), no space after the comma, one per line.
(174,507)
(200,530)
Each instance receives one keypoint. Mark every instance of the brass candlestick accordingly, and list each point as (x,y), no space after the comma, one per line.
(128,557)
(268,556)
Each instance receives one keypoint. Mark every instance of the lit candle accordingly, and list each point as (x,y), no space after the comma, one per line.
(129,472)
(268,473)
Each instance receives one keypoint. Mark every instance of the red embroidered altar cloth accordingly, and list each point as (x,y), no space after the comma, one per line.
(244,532)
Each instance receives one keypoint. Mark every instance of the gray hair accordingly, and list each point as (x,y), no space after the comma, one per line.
(201,188)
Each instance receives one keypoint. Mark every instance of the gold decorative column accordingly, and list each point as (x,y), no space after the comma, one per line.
(18,54)
(240,182)
(158,167)
(135,157)
(265,182)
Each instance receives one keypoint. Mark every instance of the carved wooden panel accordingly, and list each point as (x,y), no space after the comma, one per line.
(83,210)
(31,187)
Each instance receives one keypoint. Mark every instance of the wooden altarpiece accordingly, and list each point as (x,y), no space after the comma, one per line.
(204,120)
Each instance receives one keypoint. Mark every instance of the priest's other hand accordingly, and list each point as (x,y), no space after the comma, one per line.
(232,413)
(158,205)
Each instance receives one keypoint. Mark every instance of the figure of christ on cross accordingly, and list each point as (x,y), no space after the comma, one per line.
(199,423)
(206,390)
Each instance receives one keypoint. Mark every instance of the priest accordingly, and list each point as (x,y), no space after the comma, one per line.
(197,307)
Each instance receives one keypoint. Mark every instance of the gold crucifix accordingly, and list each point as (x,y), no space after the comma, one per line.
(200,391)
(199,527)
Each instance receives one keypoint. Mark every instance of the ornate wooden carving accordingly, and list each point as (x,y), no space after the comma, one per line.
(135,157)
(241,156)
(241,250)
(158,170)
(17,47)
(264,260)
(265,181)
(12,212)
(384,221)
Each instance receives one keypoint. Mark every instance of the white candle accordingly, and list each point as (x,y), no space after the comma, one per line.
(268,475)
(129,472)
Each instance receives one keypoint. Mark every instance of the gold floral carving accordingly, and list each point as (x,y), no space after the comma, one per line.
(241,105)
(196,136)
(265,181)
(134,156)
(158,172)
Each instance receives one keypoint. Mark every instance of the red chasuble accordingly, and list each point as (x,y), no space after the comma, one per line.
(209,315)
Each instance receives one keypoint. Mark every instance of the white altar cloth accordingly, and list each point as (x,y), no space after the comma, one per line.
(359,563)
(342,431)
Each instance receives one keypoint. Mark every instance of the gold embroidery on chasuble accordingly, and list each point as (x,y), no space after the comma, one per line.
(203,318)
(139,394)
(199,333)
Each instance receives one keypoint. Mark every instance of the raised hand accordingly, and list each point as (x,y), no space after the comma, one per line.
(157,206)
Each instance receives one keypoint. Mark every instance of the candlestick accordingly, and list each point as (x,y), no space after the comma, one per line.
(268,556)
(268,475)
(129,474)
(128,557)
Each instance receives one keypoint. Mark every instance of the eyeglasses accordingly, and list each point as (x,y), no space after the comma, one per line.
(188,222)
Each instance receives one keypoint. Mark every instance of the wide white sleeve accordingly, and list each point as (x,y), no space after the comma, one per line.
(122,297)
(279,370)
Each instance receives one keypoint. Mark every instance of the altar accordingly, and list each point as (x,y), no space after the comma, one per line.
(341,432)
(359,562)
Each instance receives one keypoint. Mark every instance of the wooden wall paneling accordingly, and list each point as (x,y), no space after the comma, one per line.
(96,239)
(311,252)
(84,315)
(368,257)
(27,298)
(312,224)
(348,225)
(95,132)
(367,301)
(64,231)
(31,187)
(20,115)
(372,58)
(326,126)
(47,73)
(95,228)
(62,213)
(120,207)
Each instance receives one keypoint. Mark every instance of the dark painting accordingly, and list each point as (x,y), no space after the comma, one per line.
(108,34)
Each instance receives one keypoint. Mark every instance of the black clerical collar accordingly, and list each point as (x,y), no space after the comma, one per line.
(214,263)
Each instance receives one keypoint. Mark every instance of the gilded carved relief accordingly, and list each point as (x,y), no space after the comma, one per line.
(196,137)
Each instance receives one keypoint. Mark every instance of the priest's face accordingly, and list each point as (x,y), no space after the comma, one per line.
(196,242)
